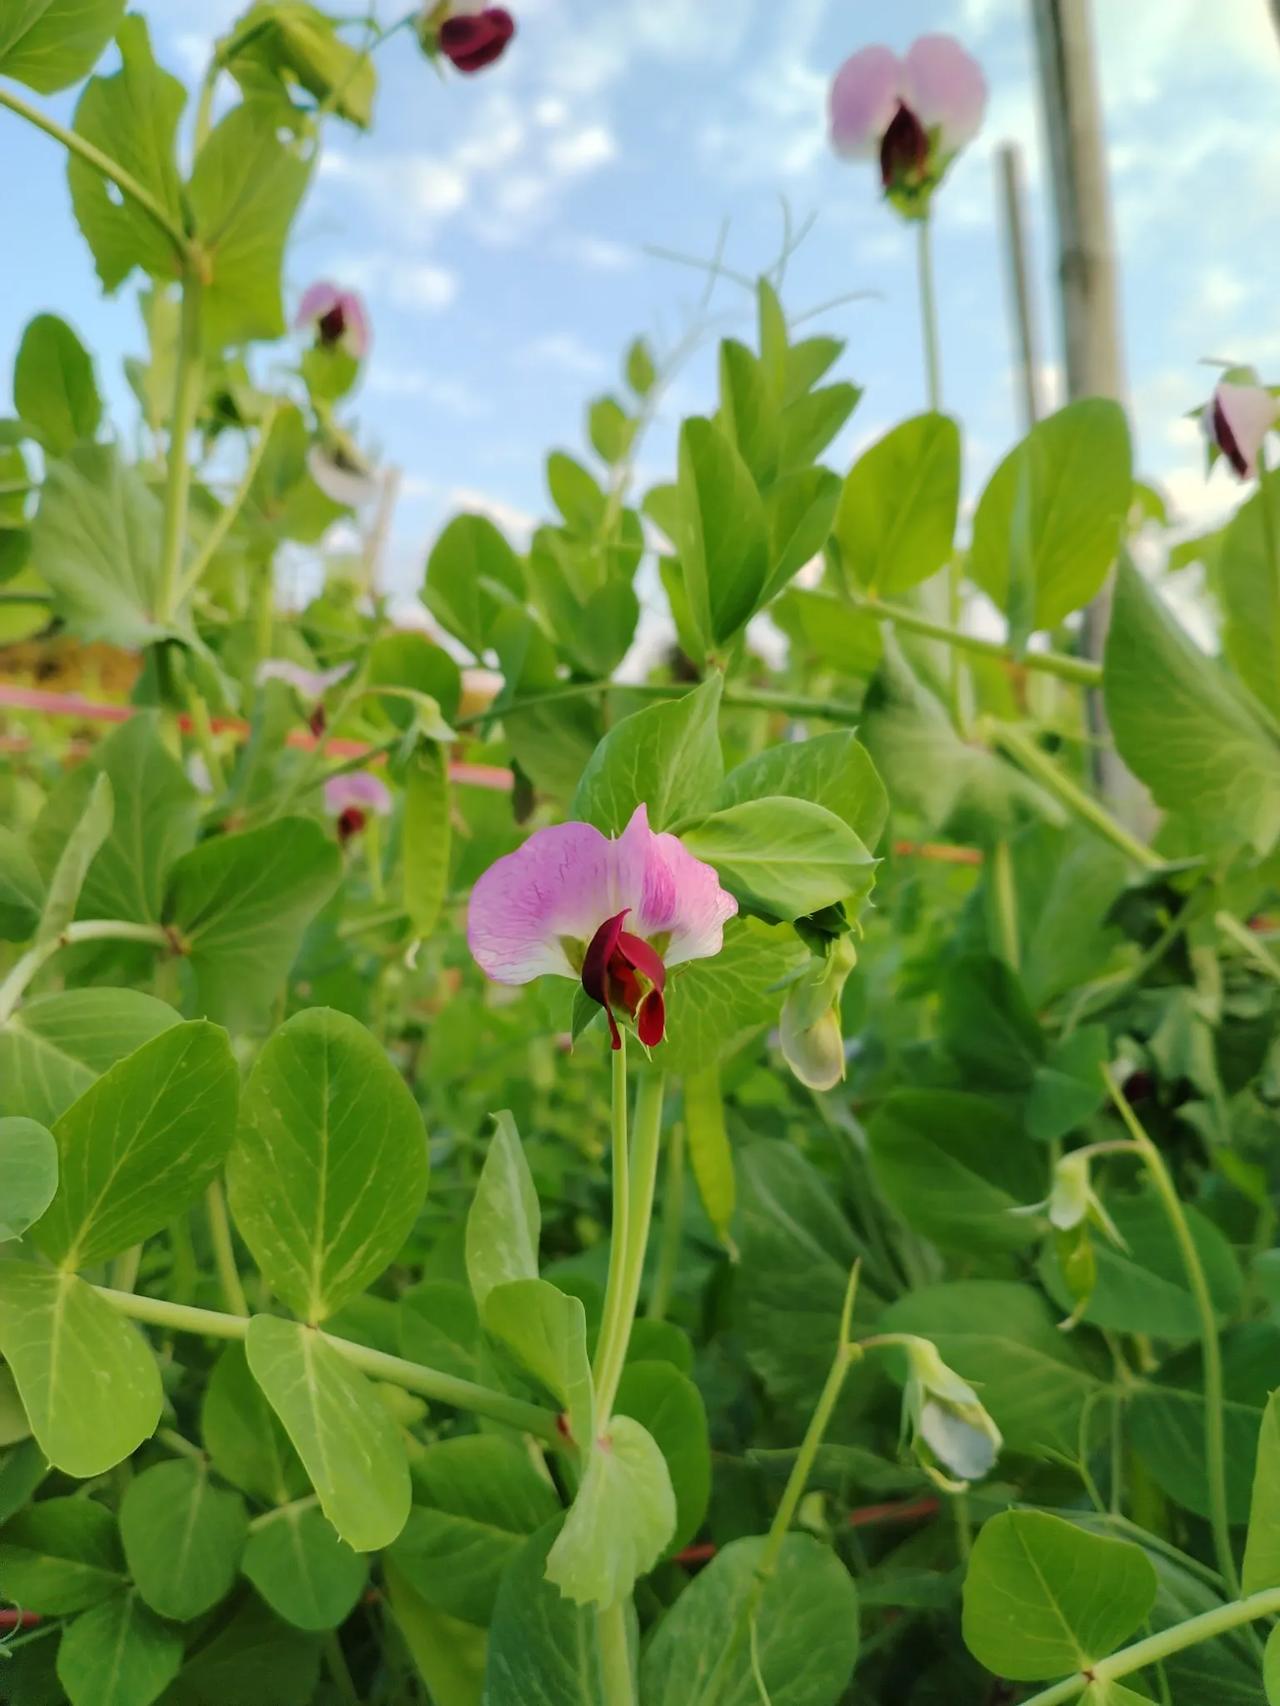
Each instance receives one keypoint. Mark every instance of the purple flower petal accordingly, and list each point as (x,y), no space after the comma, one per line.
(671,893)
(560,885)
(864,98)
(944,86)
(309,683)
(1237,420)
(358,788)
(317,301)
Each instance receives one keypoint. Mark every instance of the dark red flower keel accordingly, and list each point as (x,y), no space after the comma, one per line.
(350,822)
(904,150)
(622,970)
(472,42)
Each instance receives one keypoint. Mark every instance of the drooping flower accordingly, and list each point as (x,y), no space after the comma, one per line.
(914,114)
(337,317)
(950,1427)
(309,684)
(809,1025)
(1236,420)
(615,914)
(341,473)
(471,39)
(353,797)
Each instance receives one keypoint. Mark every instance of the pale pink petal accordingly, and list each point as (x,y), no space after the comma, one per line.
(561,884)
(317,301)
(1238,419)
(356,333)
(944,86)
(670,893)
(310,683)
(358,788)
(337,480)
(864,98)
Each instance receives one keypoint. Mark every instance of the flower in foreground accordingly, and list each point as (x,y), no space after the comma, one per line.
(353,797)
(949,1425)
(337,317)
(1236,420)
(615,914)
(914,114)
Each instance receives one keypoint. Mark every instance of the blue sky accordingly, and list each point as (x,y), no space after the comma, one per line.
(498,225)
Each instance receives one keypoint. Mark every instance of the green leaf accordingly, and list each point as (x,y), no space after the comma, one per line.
(21,889)
(472,573)
(987,1024)
(504,1221)
(407,659)
(811,421)
(710,1154)
(670,1408)
(896,521)
(88,1381)
(245,1440)
(50,44)
(723,540)
(543,1649)
(1262,1550)
(1182,727)
(477,1499)
(330,1167)
(621,1520)
(955,1166)
(805,1634)
(82,844)
(1068,1089)
(132,117)
(799,510)
(53,385)
(1049,524)
(244,191)
(747,410)
(575,493)
(714,1006)
(440,1326)
(253,1656)
(449,1654)
(783,857)
(610,429)
(303,1570)
(29,1168)
(242,902)
(55,1046)
(352,1449)
(1042,1598)
(60,1555)
(1246,583)
(666,757)
(182,1538)
(547,1330)
(427,836)
(294,42)
(118,1654)
(641,370)
(141,1143)
(1271,1668)
(95,542)
(831,770)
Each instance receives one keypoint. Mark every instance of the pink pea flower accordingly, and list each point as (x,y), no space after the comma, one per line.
(337,317)
(558,905)
(1237,418)
(352,798)
(311,684)
(914,114)
(470,40)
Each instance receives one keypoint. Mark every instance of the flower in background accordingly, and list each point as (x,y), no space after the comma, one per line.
(561,904)
(914,114)
(352,798)
(337,317)
(1237,418)
(468,33)
(342,473)
(310,684)
(949,1426)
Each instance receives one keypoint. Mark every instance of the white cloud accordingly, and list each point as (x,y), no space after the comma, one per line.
(581,151)
(422,286)
(567,353)
(601,254)
(453,396)
(518,523)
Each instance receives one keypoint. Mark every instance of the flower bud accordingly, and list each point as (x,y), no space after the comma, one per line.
(809,1025)
(949,1426)
(1236,420)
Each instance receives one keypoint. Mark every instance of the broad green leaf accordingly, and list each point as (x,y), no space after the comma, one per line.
(955,1166)
(1271,1668)
(297,43)
(471,574)
(440,1326)
(449,1654)
(807,362)
(641,370)
(50,44)
(241,904)
(118,1654)
(1042,1598)
(29,1169)
(244,191)
(551,743)
(621,1520)
(710,1154)
(834,631)
(987,1025)
(21,889)
(132,117)
(140,1144)
(54,1046)
(87,1379)
(575,493)
(670,1408)
(805,1630)
(547,1330)
(21,1472)
(14,1426)
(1003,1339)
(896,521)
(245,1440)
(306,1574)
(67,879)
(1246,583)
(182,1538)
(427,836)
(330,1167)
(811,421)
(252,1657)
(830,770)
(543,1649)
(1262,1551)
(1068,1089)
(666,757)
(714,1006)
(60,1555)
(1182,727)
(610,429)
(799,510)
(477,1498)
(783,857)
(1049,524)
(748,413)
(344,1434)
(53,385)
(504,1220)
(95,542)
(723,540)
(403,658)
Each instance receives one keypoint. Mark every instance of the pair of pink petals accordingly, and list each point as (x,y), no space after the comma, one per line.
(337,317)
(936,84)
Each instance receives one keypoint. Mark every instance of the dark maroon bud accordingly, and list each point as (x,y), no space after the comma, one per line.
(473,41)
(331,326)
(317,722)
(904,149)
(1225,439)
(1139,1087)
(350,822)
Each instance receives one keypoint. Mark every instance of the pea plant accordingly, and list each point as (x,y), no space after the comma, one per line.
(526,1186)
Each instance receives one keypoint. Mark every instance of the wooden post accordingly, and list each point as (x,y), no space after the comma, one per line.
(1015,242)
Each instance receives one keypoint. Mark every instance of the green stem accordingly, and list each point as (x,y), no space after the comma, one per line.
(1083,671)
(672,1227)
(641,1184)
(87,930)
(336,1664)
(748,699)
(294,1507)
(1018,746)
(180,1446)
(1244,938)
(1005,894)
(611,1325)
(224,1251)
(229,512)
(1215,1451)
(379,1365)
(616,1674)
(124,181)
(186,401)
(929,314)
(26,597)
(1207,1627)
(201,727)
(124,1269)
